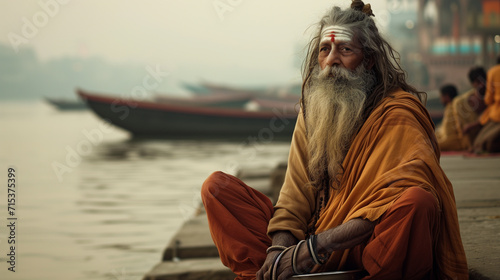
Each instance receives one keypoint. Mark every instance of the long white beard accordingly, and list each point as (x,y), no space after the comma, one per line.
(334,104)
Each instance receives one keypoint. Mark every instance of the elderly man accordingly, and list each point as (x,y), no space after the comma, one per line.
(363,188)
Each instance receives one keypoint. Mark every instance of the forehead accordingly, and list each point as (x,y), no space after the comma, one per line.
(335,33)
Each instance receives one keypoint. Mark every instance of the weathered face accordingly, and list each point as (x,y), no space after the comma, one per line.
(339,47)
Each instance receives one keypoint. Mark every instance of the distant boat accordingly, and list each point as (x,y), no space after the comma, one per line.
(164,120)
(207,88)
(66,104)
(236,100)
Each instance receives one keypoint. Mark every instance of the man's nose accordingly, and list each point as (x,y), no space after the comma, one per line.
(333,58)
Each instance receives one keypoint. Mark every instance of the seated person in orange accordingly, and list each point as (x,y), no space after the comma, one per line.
(460,111)
(488,138)
(363,187)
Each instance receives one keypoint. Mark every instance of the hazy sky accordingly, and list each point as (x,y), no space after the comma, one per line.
(249,42)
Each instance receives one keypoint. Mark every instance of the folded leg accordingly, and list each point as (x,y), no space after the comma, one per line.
(238,217)
(402,244)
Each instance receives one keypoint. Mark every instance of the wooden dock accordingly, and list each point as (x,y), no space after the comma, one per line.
(476,180)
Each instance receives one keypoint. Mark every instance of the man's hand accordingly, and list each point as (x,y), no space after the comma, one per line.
(284,270)
(265,270)
(283,238)
(341,237)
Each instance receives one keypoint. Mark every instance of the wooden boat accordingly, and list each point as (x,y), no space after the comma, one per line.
(207,88)
(164,120)
(289,104)
(214,100)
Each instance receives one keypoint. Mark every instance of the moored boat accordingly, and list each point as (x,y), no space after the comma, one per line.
(164,120)
(217,100)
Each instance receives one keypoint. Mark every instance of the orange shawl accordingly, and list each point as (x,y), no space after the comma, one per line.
(395,149)
(492,96)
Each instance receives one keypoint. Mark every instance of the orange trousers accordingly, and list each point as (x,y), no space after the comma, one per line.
(401,246)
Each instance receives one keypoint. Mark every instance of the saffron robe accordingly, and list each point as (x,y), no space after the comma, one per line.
(400,247)
(488,138)
(492,96)
(395,149)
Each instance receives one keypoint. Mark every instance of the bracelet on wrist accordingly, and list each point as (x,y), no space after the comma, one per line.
(275,248)
(312,246)
(294,257)
(274,268)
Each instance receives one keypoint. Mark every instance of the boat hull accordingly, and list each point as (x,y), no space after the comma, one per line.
(66,105)
(153,120)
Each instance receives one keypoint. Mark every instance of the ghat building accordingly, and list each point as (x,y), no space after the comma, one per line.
(440,40)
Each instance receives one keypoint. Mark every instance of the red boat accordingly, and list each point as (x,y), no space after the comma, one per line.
(165,120)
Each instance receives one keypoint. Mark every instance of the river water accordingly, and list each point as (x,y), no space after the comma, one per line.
(92,203)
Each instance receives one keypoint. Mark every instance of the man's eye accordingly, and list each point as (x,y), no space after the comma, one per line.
(346,50)
(324,49)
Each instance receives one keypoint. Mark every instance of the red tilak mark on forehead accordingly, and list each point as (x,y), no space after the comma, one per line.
(332,35)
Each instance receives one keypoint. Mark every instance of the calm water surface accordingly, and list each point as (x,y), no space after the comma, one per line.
(93,204)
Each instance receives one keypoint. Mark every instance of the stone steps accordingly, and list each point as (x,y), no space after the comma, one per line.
(192,255)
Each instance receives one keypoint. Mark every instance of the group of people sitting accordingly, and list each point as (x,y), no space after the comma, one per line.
(471,120)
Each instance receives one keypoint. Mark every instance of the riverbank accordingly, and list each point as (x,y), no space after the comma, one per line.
(476,181)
